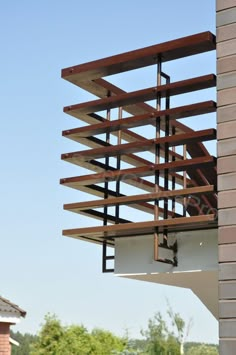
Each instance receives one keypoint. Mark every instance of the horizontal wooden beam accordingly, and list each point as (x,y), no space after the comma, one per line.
(179,48)
(127,200)
(122,100)
(141,146)
(141,120)
(144,228)
(198,176)
(94,142)
(131,159)
(99,191)
(124,174)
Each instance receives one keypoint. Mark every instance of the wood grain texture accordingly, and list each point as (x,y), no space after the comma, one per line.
(131,98)
(140,146)
(179,48)
(175,113)
(127,200)
(143,228)
(138,172)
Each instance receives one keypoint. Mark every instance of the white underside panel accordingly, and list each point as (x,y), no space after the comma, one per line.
(197,263)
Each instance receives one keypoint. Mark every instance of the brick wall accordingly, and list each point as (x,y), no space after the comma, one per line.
(226,130)
(5,348)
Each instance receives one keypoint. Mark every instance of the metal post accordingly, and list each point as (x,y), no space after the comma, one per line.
(104,246)
(166,172)
(118,161)
(185,180)
(157,160)
(173,176)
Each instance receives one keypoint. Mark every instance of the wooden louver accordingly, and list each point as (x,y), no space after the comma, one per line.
(182,182)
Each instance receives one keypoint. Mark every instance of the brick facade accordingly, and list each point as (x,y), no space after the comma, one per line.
(5,347)
(226,130)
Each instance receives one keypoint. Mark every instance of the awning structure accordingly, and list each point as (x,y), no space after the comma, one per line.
(176,182)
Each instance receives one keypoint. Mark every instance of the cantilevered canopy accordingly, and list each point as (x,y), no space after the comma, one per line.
(182,194)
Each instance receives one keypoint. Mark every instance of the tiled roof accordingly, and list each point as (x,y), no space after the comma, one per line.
(8,306)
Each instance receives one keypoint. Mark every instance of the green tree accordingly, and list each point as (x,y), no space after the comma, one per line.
(76,340)
(49,337)
(107,343)
(159,339)
(25,341)
(203,349)
(55,339)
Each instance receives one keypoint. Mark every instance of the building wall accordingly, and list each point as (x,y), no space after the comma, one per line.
(5,347)
(226,130)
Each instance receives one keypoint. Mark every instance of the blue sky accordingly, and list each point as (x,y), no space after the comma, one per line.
(42,271)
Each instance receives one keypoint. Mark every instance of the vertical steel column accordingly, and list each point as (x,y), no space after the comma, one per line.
(157,160)
(185,180)
(105,211)
(118,160)
(173,176)
(166,172)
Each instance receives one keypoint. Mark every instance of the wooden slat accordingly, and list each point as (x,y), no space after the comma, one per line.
(130,137)
(146,185)
(136,182)
(132,159)
(94,142)
(174,140)
(135,160)
(127,158)
(199,177)
(142,206)
(127,200)
(170,50)
(123,100)
(100,87)
(144,228)
(141,120)
(137,172)
(194,174)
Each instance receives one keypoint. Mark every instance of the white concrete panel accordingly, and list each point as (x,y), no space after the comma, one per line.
(197,250)
(197,264)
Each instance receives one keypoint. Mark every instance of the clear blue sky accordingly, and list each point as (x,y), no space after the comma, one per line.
(42,271)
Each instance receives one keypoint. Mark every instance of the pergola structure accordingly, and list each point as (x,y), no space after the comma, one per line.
(184,238)
(183,171)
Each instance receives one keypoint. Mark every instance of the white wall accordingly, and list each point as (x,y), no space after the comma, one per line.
(197,263)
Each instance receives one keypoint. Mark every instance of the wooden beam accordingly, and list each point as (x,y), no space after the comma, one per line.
(179,48)
(144,228)
(199,176)
(140,120)
(131,159)
(138,172)
(127,200)
(99,191)
(140,146)
(131,98)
